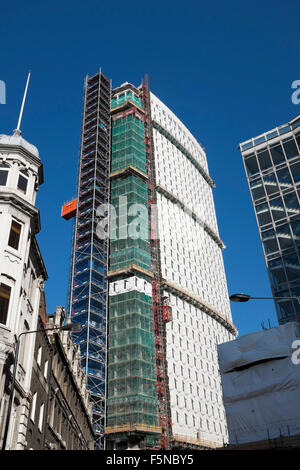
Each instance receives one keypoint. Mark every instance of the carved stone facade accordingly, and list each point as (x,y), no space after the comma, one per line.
(22,275)
(60,413)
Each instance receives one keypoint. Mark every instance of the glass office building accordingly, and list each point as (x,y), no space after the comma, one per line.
(272,165)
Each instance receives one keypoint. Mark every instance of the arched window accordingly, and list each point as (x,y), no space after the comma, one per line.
(4,169)
(23,181)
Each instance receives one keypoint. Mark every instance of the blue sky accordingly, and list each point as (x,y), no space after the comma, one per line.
(225,68)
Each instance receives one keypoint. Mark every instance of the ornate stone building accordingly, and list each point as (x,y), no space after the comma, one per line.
(60,414)
(22,275)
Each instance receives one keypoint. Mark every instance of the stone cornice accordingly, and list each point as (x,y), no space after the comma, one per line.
(11,197)
(40,262)
(9,151)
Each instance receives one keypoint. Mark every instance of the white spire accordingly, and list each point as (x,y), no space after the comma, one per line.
(17,130)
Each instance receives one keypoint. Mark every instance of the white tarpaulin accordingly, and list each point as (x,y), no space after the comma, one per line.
(261,385)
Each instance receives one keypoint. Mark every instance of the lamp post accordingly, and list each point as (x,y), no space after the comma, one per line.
(246,297)
(75,327)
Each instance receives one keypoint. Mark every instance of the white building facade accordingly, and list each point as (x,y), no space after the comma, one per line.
(22,275)
(194,277)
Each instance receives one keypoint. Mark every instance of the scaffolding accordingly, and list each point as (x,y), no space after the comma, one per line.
(161,311)
(88,287)
(127,375)
(131,371)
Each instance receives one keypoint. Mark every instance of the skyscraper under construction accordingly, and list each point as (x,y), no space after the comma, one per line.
(147,275)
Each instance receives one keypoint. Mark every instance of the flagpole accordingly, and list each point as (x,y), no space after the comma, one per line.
(17,131)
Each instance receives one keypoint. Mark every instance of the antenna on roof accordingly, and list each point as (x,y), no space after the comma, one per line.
(17,130)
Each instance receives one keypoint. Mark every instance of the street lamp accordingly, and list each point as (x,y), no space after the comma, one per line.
(246,297)
(74,327)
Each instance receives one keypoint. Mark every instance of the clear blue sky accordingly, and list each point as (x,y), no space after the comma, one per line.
(225,68)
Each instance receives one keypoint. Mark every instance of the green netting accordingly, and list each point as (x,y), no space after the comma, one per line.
(131,418)
(129,351)
(122,99)
(151,441)
(129,368)
(130,320)
(129,233)
(128,146)
(123,258)
(131,336)
(131,355)
(132,183)
(131,364)
(116,245)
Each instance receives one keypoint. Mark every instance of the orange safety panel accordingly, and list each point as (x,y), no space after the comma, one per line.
(69,210)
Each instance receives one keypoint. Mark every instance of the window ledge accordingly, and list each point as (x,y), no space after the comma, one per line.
(11,251)
(5,327)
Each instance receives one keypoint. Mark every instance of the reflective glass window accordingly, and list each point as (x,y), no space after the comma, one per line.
(4,168)
(284,178)
(14,235)
(23,181)
(292,204)
(251,165)
(272,134)
(269,241)
(277,154)
(5,292)
(277,273)
(290,148)
(271,184)
(263,214)
(285,309)
(277,208)
(295,291)
(284,236)
(259,140)
(264,160)
(292,267)
(295,169)
(296,230)
(298,140)
(283,130)
(257,189)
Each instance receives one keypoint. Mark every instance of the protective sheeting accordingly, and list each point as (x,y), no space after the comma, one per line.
(261,399)
(258,346)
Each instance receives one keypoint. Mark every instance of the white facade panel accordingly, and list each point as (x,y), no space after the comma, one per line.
(191,261)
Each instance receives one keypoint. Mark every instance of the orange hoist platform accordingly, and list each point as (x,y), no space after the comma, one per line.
(68,210)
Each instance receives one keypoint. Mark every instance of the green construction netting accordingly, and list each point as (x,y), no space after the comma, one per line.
(122,99)
(123,258)
(131,361)
(129,231)
(128,144)
(131,356)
